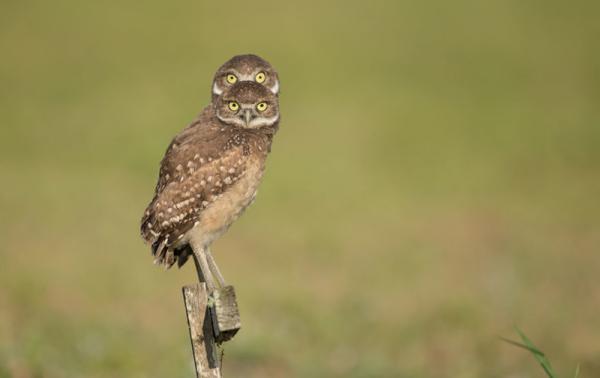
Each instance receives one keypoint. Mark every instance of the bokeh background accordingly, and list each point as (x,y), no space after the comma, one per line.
(435,181)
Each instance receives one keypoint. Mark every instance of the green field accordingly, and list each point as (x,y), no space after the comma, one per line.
(435,181)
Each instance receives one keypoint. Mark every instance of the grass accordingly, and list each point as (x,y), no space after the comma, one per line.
(537,354)
(434,181)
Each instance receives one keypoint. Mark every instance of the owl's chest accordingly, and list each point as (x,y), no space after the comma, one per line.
(229,205)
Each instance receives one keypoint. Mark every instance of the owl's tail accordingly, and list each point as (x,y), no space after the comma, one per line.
(162,250)
(168,256)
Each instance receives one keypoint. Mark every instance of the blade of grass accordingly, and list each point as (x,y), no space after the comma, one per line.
(520,345)
(577,371)
(539,356)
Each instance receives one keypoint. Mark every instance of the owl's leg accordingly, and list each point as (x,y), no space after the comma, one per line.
(202,267)
(214,268)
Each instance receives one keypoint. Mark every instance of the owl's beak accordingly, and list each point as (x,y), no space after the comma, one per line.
(247,117)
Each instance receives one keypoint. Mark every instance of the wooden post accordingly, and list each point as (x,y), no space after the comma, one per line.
(204,346)
(213,318)
(225,314)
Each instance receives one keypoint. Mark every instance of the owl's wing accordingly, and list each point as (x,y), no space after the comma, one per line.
(184,147)
(194,172)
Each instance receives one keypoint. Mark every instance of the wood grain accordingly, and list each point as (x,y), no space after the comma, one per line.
(225,313)
(200,325)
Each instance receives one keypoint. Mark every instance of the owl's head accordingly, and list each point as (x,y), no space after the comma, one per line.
(247,104)
(246,67)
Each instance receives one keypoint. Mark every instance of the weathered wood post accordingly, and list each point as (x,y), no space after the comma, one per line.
(213,318)
(204,346)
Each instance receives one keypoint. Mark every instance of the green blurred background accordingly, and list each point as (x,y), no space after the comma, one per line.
(436,180)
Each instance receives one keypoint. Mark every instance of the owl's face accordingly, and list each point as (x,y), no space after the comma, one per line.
(249,105)
(245,68)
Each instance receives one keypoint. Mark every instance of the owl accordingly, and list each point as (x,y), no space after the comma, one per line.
(246,67)
(210,175)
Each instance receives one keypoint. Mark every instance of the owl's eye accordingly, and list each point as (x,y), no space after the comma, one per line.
(261,106)
(231,78)
(260,77)
(233,106)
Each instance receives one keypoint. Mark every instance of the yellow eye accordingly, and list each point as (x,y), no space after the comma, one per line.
(233,106)
(260,77)
(261,106)
(231,78)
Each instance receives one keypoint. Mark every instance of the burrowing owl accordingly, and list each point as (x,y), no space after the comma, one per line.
(210,174)
(246,67)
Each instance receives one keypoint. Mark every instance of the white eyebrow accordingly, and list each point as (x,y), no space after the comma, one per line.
(275,88)
(216,89)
